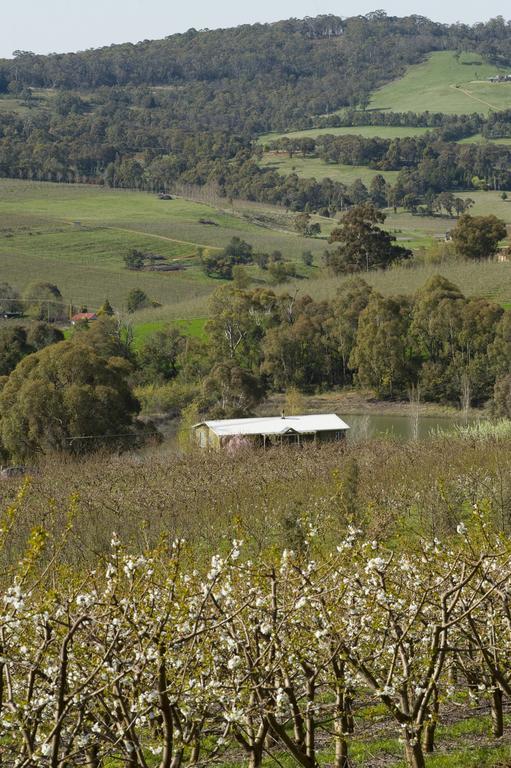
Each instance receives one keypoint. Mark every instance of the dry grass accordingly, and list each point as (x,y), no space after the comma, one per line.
(491,279)
(397,490)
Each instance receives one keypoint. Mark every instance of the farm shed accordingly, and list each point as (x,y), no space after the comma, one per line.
(275,430)
(83,317)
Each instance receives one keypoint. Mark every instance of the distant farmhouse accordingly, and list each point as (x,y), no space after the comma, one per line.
(500,79)
(265,432)
(83,317)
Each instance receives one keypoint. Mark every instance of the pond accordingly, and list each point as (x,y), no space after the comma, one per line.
(365,426)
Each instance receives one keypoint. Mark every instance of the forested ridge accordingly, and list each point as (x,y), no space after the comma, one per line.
(286,50)
(251,78)
(187,108)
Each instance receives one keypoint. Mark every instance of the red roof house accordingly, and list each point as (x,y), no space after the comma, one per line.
(81,317)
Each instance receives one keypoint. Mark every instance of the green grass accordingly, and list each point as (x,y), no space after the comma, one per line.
(443,84)
(193,327)
(454,745)
(367,131)
(40,240)
(42,100)
(310,167)
(477,138)
(492,280)
(76,236)
(490,202)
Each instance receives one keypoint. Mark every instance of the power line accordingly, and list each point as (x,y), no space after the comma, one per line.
(109,437)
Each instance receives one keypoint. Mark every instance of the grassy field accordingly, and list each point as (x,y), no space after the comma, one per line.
(478,139)
(311,167)
(41,100)
(76,236)
(443,83)
(489,279)
(192,327)
(373,131)
(366,131)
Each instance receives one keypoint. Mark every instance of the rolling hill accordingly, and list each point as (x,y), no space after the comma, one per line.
(448,83)
(191,112)
(76,236)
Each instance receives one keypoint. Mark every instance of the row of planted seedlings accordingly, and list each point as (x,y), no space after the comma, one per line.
(152,661)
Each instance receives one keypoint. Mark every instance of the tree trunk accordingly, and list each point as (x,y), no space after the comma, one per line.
(348,707)
(429,736)
(343,720)
(296,750)
(256,755)
(414,754)
(341,752)
(195,752)
(430,728)
(497,713)
(177,758)
(310,745)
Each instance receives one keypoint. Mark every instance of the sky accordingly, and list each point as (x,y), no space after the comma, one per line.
(45,26)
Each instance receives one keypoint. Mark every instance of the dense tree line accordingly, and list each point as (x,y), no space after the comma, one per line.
(286,51)
(450,127)
(252,78)
(43,150)
(428,164)
(437,340)
(452,349)
(99,147)
(446,127)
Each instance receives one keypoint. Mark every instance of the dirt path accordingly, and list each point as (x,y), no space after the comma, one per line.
(168,239)
(150,234)
(474,98)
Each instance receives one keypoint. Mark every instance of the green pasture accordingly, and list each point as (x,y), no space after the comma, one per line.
(489,202)
(76,236)
(489,279)
(366,131)
(193,327)
(443,83)
(477,138)
(313,168)
(42,99)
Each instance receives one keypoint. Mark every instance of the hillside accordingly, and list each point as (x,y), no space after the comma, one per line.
(257,122)
(446,82)
(366,131)
(273,71)
(77,235)
(186,109)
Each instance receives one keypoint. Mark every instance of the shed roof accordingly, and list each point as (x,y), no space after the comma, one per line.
(276,425)
(84,316)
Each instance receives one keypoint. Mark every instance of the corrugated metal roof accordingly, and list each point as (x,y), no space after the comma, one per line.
(276,425)
(84,316)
